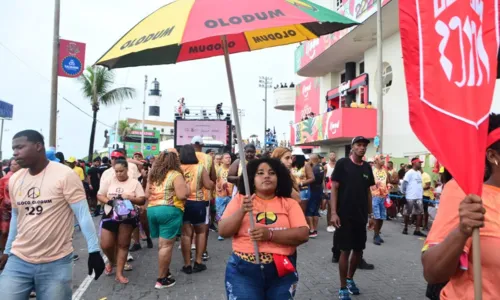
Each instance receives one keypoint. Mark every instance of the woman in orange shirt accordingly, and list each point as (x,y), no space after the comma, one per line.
(280,228)
(447,250)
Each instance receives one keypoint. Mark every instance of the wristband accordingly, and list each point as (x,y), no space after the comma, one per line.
(271,233)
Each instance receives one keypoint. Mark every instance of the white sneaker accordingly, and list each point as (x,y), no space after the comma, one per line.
(129,257)
(330,229)
(323,212)
(193,247)
(399,215)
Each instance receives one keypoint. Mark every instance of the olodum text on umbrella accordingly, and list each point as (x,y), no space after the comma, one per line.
(247,18)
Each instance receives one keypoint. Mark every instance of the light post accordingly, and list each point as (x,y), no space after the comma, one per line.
(144,111)
(265,82)
(117,123)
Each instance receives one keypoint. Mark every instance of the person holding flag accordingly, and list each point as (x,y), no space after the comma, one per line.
(447,254)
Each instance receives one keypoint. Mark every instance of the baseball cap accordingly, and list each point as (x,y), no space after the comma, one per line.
(360,139)
(138,153)
(117,154)
(71,159)
(51,154)
(415,160)
(197,140)
(298,151)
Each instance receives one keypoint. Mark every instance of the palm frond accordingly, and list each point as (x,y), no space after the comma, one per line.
(117,95)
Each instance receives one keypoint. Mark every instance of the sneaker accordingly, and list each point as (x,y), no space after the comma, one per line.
(330,229)
(419,233)
(130,257)
(205,256)
(399,215)
(381,240)
(405,231)
(169,275)
(187,269)
(212,228)
(135,247)
(150,242)
(220,238)
(76,257)
(335,259)
(193,247)
(363,265)
(344,294)
(351,286)
(377,240)
(313,234)
(163,283)
(199,267)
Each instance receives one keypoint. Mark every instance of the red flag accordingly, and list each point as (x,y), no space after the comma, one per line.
(450,59)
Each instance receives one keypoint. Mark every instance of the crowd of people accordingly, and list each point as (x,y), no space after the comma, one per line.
(182,195)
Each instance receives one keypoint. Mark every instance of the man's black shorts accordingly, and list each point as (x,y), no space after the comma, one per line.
(351,235)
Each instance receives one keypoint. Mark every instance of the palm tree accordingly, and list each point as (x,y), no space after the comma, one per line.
(97,86)
(124,130)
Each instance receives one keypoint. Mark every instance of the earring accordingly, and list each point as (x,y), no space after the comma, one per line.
(496,162)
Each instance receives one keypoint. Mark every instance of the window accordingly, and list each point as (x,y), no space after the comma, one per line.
(342,77)
(386,77)
(145,127)
(162,130)
(154,128)
(338,4)
(361,67)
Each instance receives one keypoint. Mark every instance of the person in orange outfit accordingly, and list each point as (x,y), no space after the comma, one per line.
(447,251)
(5,205)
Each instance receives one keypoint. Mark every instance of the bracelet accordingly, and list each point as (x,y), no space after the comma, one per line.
(271,233)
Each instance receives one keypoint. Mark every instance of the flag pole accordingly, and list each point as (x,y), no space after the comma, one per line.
(476,263)
(238,136)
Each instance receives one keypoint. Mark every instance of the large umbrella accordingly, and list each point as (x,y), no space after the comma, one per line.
(187,30)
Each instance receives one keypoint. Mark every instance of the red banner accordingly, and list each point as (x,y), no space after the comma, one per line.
(71,62)
(450,58)
(307,98)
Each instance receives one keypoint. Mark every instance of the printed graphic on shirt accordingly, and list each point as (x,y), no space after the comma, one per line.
(266,218)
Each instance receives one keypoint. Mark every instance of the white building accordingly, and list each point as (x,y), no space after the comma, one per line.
(335,63)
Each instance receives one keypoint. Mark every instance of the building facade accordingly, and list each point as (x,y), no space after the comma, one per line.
(336,98)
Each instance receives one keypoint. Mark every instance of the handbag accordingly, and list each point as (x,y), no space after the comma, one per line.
(123,210)
(388,202)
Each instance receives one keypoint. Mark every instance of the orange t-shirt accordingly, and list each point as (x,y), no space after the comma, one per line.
(192,174)
(275,214)
(45,219)
(206,160)
(461,285)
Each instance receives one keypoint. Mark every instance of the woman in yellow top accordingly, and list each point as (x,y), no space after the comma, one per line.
(285,156)
(195,209)
(281,227)
(166,192)
(303,174)
(447,253)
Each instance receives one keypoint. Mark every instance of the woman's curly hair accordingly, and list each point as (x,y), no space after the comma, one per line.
(284,186)
(166,162)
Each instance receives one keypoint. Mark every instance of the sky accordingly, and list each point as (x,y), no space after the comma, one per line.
(26,35)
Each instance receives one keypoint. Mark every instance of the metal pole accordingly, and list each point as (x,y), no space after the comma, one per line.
(53,88)
(144,112)
(1,140)
(265,114)
(239,137)
(380,96)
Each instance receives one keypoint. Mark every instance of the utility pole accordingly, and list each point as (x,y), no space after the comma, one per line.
(144,112)
(265,82)
(380,80)
(53,88)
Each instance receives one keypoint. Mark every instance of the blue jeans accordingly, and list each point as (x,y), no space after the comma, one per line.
(220,206)
(246,281)
(51,281)
(312,208)
(305,194)
(379,211)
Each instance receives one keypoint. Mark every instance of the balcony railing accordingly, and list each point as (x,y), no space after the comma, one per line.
(343,123)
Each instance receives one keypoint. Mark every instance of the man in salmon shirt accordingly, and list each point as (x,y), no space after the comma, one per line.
(45,197)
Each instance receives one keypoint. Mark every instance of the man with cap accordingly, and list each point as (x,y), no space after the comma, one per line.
(413,190)
(133,171)
(351,205)
(77,169)
(207,161)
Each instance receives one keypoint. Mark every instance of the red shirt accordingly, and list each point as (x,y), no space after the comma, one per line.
(4,189)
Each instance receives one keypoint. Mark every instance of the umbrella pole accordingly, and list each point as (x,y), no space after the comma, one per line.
(238,135)
(476,260)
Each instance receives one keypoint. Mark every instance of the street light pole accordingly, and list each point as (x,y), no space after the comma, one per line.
(265,82)
(380,79)
(53,88)
(144,112)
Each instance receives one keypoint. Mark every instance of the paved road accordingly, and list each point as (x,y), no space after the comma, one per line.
(397,274)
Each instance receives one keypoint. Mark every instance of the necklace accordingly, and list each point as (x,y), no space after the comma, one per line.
(37,192)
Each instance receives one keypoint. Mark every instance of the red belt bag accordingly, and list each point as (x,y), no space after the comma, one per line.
(283,264)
